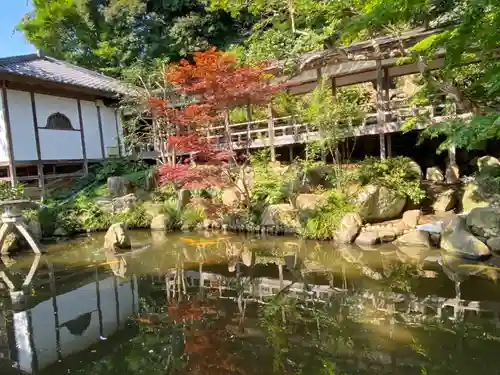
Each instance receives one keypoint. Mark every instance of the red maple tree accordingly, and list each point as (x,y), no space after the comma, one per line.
(213,83)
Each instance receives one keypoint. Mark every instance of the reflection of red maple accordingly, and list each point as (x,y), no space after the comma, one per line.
(207,348)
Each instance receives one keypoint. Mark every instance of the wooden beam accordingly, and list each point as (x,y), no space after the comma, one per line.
(8,135)
(270,127)
(118,138)
(380,108)
(82,136)
(41,178)
(101,135)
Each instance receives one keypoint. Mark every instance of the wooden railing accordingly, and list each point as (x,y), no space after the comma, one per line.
(291,130)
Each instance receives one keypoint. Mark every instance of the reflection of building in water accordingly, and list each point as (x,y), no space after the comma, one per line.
(49,328)
(409,305)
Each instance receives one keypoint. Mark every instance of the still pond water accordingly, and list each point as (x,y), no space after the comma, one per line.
(241,305)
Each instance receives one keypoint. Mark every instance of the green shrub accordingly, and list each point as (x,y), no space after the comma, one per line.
(118,167)
(269,186)
(324,221)
(170,211)
(7,192)
(191,216)
(397,174)
(136,218)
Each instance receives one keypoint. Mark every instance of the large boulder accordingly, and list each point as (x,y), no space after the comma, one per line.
(309,202)
(414,238)
(415,167)
(117,237)
(125,203)
(494,244)
(368,238)
(378,203)
(484,222)
(444,201)
(281,215)
(471,198)
(119,186)
(349,227)
(485,162)
(456,240)
(452,174)
(434,174)
(160,222)
(231,197)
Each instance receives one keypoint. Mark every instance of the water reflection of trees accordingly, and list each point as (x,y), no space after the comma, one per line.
(227,307)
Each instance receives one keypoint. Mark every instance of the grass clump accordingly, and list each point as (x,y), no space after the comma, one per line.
(397,174)
(323,222)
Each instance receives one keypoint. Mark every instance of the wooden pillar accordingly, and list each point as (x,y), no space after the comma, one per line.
(39,165)
(290,153)
(380,107)
(118,133)
(82,136)
(270,125)
(8,135)
(249,112)
(227,128)
(334,87)
(101,134)
(389,144)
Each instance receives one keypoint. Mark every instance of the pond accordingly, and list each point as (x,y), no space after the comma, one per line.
(185,304)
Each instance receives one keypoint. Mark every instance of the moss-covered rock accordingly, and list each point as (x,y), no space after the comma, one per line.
(378,203)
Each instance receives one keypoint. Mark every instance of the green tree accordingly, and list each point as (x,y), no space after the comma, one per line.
(114,36)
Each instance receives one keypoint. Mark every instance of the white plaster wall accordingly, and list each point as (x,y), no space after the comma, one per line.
(60,144)
(109,132)
(70,306)
(22,127)
(91,130)
(47,105)
(4,151)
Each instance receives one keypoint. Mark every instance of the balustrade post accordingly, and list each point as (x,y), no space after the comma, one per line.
(270,126)
(227,128)
(380,108)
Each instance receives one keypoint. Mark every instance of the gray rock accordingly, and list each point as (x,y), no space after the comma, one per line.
(485,162)
(457,240)
(494,244)
(309,201)
(484,222)
(119,186)
(414,238)
(125,203)
(416,168)
(231,197)
(349,228)
(60,232)
(367,238)
(386,235)
(377,203)
(410,218)
(434,174)
(452,175)
(159,222)
(117,237)
(445,201)
(471,198)
(283,215)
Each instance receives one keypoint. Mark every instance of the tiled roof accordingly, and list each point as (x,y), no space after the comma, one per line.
(52,70)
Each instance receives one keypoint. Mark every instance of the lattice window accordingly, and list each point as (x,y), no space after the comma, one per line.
(58,121)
